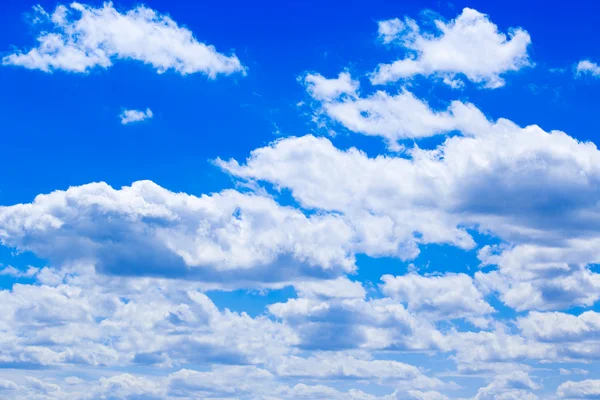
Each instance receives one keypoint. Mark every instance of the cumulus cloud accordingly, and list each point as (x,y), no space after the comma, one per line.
(389,30)
(95,320)
(342,324)
(560,327)
(535,190)
(17,273)
(470,46)
(534,276)
(448,297)
(586,67)
(240,382)
(129,116)
(516,385)
(223,237)
(391,116)
(322,88)
(342,366)
(587,389)
(82,37)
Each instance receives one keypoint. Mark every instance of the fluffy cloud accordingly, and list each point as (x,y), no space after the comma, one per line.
(393,117)
(496,350)
(469,45)
(541,277)
(129,116)
(429,395)
(82,37)
(341,324)
(587,389)
(144,229)
(534,189)
(439,297)
(322,88)
(586,67)
(389,30)
(515,386)
(16,273)
(240,382)
(94,320)
(560,327)
(244,383)
(340,366)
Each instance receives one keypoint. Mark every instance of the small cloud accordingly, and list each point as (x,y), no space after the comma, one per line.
(16,273)
(73,380)
(129,116)
(586,67)
(564,371)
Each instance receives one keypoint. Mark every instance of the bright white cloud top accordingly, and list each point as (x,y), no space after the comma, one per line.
(586,67)
(83,37)
(130,116)
(442,254)
(470,46)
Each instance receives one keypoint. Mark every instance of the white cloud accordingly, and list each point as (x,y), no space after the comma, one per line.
(225,237)
(16,273)
(341,366)
(129,116)
(322,88)
(560,327)
(586,67)
(225,382)
(114,321)
(340,324)
(587,389)
(340,288)
(534,189)
(533,276)
(470,45)
(428,395)
(444,297)
(83,37)
(5,384)
(389,30)
(393,117)
(578,371)
(515,385)
(489,350)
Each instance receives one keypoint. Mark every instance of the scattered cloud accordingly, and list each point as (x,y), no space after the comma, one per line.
(79,38)
(130,116)
(469,46)
(587,389)
(586,67)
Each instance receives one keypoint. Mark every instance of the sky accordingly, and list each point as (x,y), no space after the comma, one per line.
(374,200)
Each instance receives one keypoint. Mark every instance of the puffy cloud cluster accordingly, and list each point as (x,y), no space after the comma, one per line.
(83,37)
(469,46)
(130,116)
(586,67)
(449,296)
(224,382)
(394,117)
(535,190)
(145,229)
(587,389)
(101,321)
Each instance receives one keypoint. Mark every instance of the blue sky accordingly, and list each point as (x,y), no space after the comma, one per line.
(392,200)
